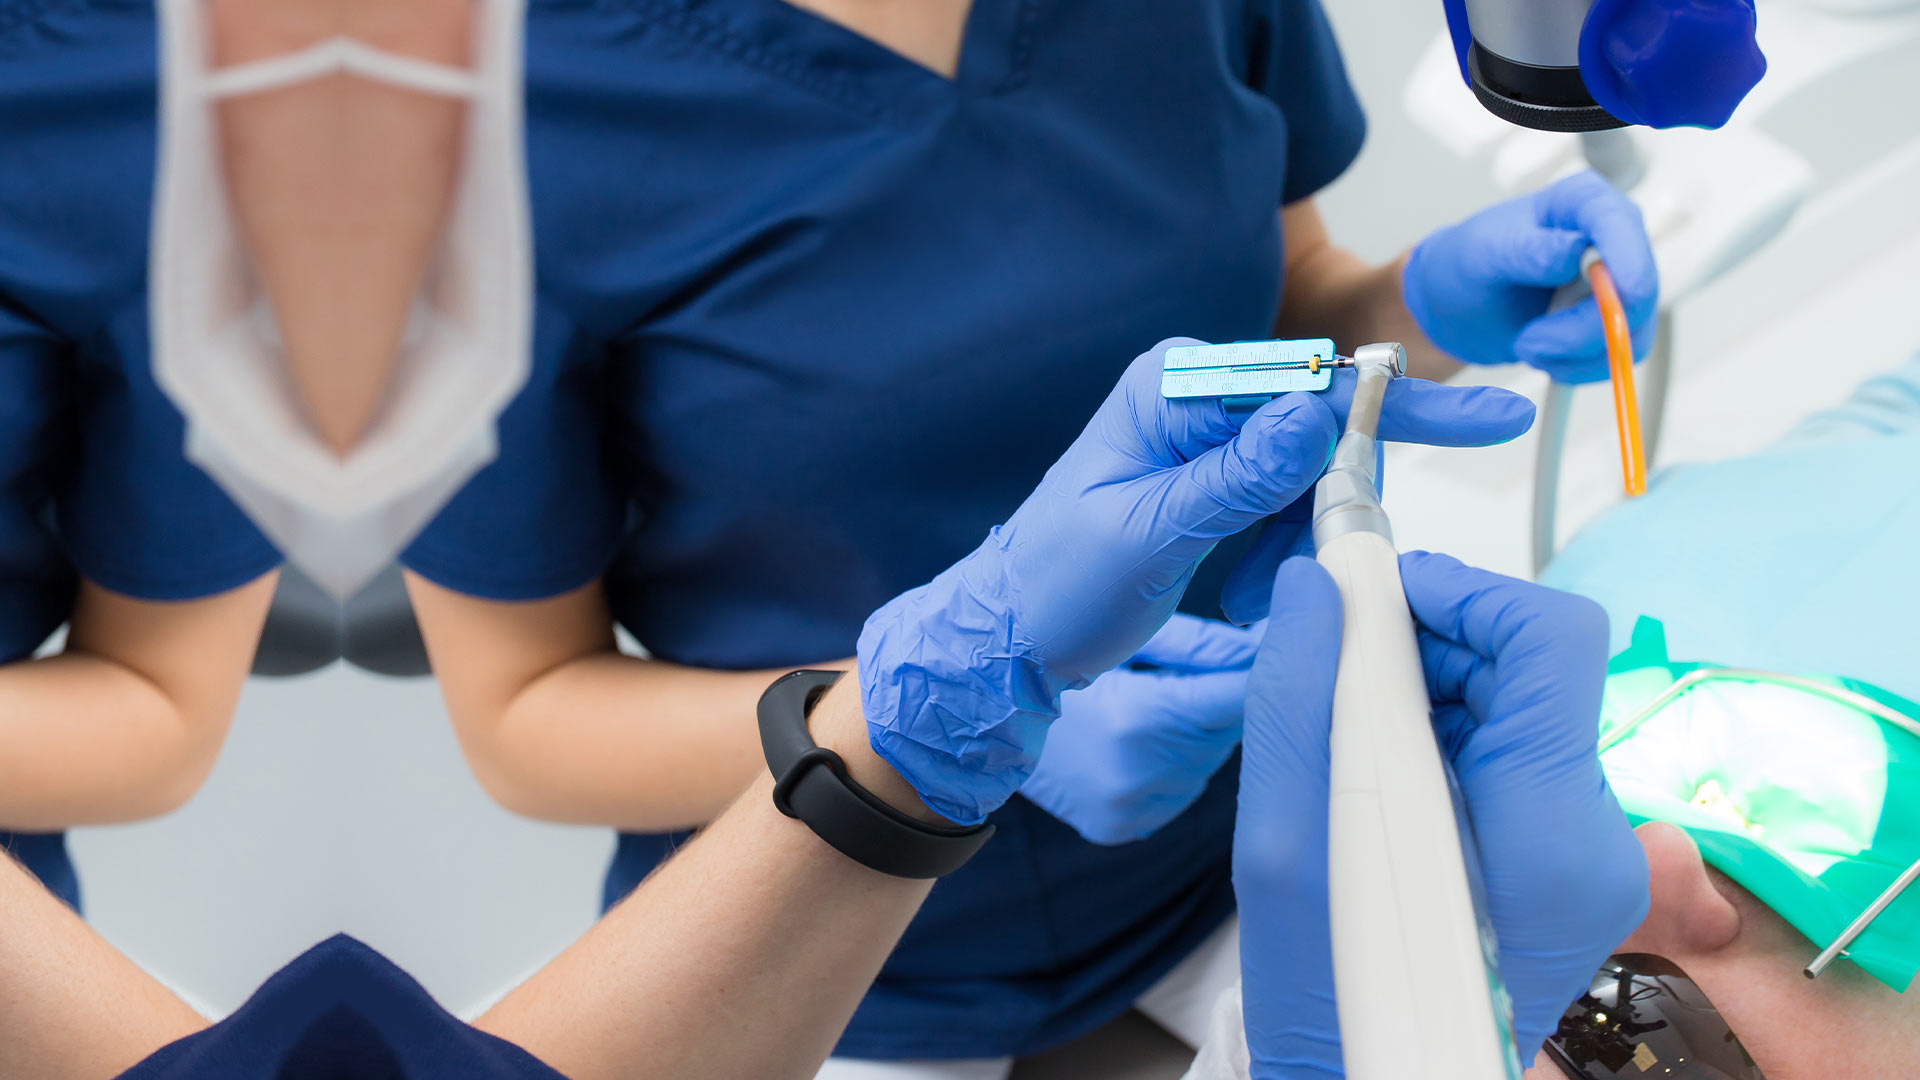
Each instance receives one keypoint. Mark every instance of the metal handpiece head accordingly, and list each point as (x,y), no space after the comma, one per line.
(1346,499)
(1377,365)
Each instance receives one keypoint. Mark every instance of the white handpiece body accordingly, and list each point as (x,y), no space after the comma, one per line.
(1416,971)
(1417,993)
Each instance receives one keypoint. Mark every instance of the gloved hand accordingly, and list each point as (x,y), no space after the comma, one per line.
(1480,289)
(1135,749)
(961,676)
(1515,673)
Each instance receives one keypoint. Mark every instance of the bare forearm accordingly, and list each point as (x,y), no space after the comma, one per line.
(672,983)
(1331,292)
(89,741)
(640,745)
(127,722)
(71,1007)
(558,724)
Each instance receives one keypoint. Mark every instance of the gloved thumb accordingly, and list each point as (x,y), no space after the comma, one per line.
(1282,449)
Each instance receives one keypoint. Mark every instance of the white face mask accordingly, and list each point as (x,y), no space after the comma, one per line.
(463,357)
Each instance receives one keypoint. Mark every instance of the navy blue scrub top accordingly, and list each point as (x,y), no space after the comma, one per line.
(341,1011)
(93,472)
(812,319)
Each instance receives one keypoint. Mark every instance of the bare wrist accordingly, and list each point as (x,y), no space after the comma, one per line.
(838,724)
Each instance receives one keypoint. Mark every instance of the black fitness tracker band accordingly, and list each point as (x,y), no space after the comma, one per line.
(810,784)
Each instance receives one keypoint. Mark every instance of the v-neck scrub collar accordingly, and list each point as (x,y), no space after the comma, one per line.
(819,55)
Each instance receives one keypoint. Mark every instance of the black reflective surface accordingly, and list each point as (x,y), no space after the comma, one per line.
(1643,1017)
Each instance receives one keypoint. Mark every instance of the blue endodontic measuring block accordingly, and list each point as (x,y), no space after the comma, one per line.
(1247,373)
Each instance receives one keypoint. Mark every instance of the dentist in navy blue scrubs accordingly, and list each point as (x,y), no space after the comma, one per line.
(824,288)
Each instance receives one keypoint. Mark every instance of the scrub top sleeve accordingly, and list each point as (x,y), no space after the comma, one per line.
(1294,60)
(543,518)
(134,514)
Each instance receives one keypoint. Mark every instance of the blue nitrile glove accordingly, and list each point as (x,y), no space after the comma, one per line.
(1480,289)
(1515,673)
(1135,749)
(961,676)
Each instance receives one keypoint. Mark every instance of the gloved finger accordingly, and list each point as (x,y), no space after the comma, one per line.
(1190,643)
(1544,257)
(1573,338)
(1453,724)
(1249,586)
(1614,224)
(1576,364)
(1275,458)
(1465,688)
(1438,414)
(1280,833)
(1138,421)
(1456,674)
(1499,617)
(1558,205)
(1211,703)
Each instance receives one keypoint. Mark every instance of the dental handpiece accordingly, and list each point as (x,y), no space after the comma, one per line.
(1415,962)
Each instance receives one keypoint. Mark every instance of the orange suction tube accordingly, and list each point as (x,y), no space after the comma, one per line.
(1626,405)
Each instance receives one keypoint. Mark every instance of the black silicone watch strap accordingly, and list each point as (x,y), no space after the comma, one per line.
(811,784)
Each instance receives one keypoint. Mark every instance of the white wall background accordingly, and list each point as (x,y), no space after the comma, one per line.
(344,793)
